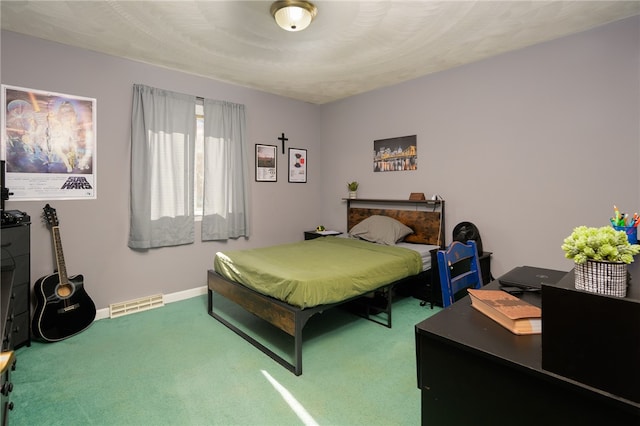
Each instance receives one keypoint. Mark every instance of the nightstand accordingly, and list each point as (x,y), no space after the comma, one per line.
(310,235)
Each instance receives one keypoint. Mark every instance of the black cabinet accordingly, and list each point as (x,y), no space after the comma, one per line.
(16,283)
(593,338)
(15,304)
(473,371)
(311,235)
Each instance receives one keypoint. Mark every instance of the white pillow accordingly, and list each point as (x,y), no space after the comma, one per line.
(380,229)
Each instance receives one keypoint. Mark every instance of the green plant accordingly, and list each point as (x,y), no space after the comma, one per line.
(353,186)
(604,244)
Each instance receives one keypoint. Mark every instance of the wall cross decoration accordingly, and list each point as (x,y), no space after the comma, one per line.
(283,140)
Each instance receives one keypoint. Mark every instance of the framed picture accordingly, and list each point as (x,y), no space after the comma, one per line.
(297,165)
(49,144)
(395,154)
(266,163)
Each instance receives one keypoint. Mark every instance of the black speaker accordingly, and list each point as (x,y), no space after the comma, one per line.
(465,231)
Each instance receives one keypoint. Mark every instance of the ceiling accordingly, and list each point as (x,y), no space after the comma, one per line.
(350,48)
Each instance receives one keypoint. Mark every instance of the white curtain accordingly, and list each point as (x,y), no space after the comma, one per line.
(226,172)
(163,130)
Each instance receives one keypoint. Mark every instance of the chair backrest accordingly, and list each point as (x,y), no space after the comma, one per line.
(459,269)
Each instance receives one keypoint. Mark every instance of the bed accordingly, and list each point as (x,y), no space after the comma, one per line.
(285,289)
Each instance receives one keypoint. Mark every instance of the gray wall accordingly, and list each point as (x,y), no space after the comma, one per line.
(94,232)
(526,145)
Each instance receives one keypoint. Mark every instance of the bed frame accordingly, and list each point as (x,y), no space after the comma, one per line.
(428,229)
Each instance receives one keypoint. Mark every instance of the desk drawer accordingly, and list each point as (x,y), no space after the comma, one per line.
(17,331)
(19,299)
(21,269)
(15,241)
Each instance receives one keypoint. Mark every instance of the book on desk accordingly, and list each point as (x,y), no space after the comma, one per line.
(514,314)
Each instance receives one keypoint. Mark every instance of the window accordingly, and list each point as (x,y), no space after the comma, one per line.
(173,176)
(198,167)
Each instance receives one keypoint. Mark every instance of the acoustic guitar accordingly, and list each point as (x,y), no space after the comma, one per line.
(63,307)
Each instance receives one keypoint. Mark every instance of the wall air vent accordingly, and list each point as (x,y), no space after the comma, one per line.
(136,305)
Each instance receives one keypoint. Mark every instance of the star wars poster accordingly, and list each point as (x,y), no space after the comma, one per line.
(49,144)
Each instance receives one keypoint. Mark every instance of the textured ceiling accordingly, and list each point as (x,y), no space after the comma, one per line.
(350,48)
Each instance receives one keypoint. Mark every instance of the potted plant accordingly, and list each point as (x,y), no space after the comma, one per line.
(601,256)
(353,187)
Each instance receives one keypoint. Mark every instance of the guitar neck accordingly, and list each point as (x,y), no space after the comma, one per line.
(57,244)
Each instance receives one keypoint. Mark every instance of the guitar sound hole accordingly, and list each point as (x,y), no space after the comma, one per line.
(64,290)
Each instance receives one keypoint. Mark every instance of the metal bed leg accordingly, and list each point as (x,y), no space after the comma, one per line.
(294,368)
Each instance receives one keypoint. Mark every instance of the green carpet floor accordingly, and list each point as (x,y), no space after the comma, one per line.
(176,365)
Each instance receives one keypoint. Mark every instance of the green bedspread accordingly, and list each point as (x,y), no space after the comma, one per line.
(319,271)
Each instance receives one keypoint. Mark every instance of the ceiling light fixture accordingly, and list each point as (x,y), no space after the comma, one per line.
(293,15)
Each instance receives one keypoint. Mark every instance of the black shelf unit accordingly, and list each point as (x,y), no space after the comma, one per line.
(16,283)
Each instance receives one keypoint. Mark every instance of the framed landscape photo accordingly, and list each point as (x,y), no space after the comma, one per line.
(266,163)
(395,154)
(297,165)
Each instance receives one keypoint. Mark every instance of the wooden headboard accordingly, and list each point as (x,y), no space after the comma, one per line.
(428,226)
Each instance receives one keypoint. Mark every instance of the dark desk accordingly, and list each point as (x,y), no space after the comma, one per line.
(471,370)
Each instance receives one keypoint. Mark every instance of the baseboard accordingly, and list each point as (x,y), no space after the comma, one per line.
(168,298)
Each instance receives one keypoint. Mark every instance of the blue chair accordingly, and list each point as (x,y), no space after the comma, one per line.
(459,269)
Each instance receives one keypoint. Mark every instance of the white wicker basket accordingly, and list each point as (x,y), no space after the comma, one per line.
(608,278)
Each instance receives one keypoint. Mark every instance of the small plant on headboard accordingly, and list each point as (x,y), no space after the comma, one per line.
(353,187)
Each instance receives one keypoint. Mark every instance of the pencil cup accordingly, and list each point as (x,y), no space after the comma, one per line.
(631,231)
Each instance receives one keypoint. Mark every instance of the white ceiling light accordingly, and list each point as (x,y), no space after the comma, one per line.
(293,15)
